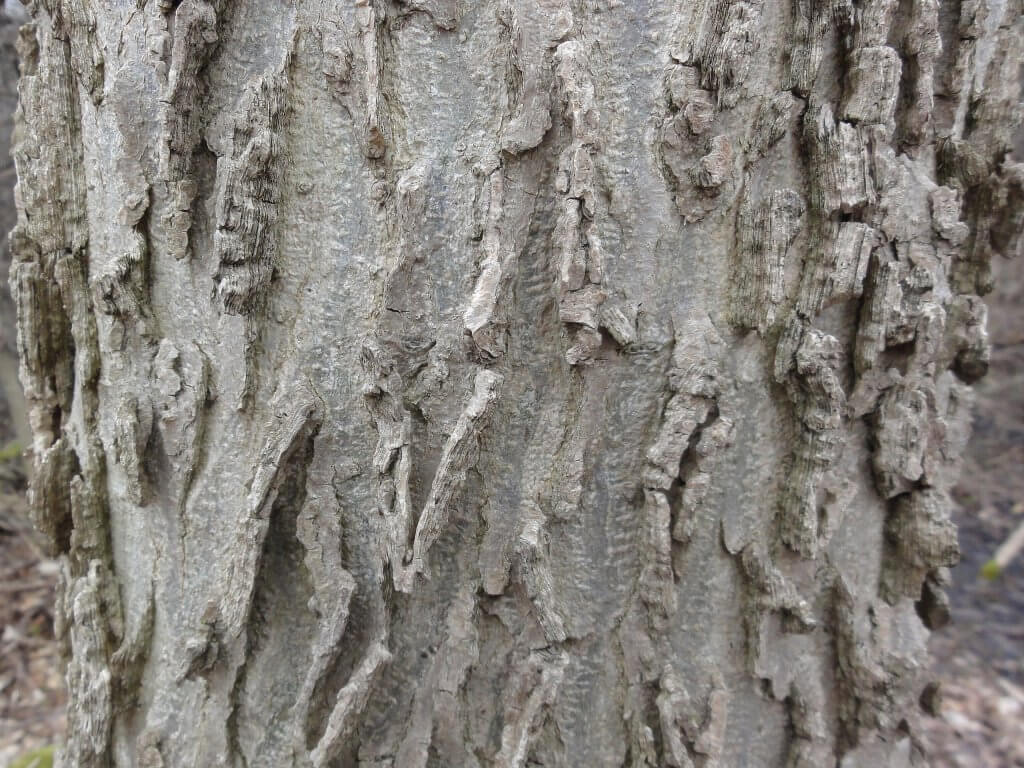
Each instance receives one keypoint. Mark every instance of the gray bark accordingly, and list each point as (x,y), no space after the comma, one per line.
(521,382)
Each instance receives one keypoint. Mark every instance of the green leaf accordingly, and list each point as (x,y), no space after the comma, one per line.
(13,450)
(991,570)
(37,758)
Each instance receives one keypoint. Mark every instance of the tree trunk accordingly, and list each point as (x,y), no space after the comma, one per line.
(437,383)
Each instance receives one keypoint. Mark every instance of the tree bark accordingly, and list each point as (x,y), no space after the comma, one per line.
(433,383)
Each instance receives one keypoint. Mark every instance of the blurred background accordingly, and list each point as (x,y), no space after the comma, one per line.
(31,684)
(978,709)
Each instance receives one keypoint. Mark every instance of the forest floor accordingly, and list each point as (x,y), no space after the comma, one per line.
(31,683)
(978,657)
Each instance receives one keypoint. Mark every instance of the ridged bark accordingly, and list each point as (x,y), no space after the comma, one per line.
(518,382)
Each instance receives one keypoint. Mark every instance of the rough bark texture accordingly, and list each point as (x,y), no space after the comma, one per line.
(436,383)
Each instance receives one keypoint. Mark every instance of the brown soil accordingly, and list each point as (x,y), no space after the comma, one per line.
(31,686)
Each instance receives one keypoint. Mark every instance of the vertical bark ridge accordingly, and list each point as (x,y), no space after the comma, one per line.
(60,370)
